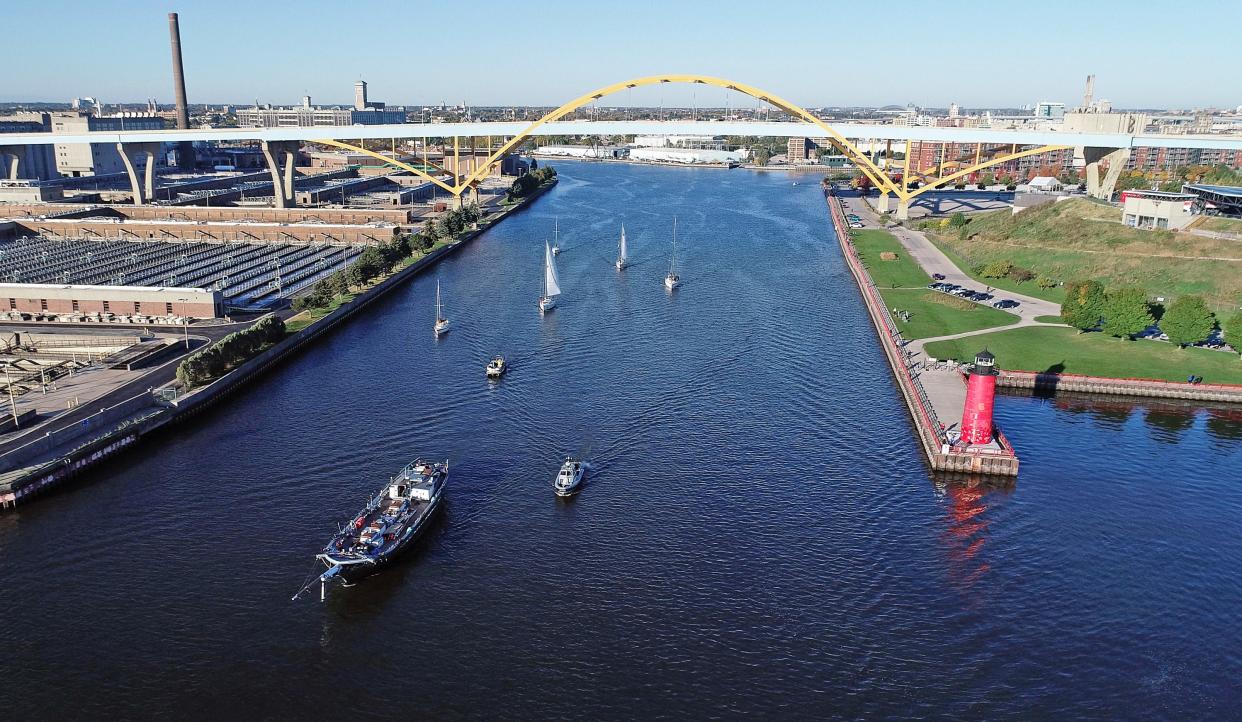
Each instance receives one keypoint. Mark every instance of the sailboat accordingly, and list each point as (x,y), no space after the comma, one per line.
(556,237)
(442,323)
(551,284)
(672,280)
(622,260)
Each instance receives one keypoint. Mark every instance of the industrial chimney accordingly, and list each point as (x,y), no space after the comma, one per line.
(185,149)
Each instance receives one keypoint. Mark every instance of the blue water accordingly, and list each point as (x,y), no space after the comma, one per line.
(758,534)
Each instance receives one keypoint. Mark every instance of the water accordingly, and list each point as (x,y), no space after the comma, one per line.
(758,533)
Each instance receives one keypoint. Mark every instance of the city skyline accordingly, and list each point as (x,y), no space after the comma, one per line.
(569,53)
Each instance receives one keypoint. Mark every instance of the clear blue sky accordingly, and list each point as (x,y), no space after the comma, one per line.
(998,53)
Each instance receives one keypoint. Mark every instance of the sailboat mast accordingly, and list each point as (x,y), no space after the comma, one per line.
(672,265)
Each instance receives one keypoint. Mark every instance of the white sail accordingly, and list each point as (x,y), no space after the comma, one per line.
(439,306)
(552,285)
(621,259)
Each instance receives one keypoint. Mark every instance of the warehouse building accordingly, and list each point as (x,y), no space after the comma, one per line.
(42,299)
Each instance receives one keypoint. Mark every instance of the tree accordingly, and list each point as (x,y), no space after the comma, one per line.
(760,155)
(987,179)
(1084,304)
(1126,312)
(340,282)
(1233,331)
(1188,321)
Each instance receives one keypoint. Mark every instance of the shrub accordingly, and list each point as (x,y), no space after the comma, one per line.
(1021,275)
(959,219)
(1045,282)
(996,269)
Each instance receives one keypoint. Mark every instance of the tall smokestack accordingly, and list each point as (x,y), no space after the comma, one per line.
(185,150)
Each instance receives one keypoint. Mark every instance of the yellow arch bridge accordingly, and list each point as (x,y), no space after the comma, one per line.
(881,178)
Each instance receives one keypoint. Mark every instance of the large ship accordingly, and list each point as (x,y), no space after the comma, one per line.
(389,524)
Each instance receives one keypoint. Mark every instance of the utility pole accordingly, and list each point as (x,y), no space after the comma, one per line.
(12,402)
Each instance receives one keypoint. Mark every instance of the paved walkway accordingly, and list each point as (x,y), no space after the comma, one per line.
(933,260)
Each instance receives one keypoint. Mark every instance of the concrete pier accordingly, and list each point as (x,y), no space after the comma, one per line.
(942,398)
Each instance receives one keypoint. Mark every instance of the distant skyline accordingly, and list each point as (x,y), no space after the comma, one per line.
(544,53)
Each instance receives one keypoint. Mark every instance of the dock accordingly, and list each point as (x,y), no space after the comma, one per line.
(931,397)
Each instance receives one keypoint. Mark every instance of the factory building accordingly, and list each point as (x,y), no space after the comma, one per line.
(363,112)
(66,300)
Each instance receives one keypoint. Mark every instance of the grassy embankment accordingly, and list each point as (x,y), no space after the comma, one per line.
(1064,350)
(1083,239)
(1220,225)
(903,284)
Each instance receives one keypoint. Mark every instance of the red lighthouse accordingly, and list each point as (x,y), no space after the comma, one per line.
(980,391)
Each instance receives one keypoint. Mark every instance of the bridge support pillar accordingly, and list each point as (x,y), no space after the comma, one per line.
(881,206)
(1116,158)
(281,156)
(11,157)
(903,209)
(130,154)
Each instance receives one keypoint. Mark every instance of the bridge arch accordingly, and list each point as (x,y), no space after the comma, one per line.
(878,177)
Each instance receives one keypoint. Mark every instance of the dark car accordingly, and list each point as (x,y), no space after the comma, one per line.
(938,276)
(1006,303)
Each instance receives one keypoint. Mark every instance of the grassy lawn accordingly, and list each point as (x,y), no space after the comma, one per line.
(1221,225)
(904,272)
(939,314)
(1093,354)
(1049,319)
(1082,239)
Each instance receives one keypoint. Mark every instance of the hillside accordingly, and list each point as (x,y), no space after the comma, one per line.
(1080,238)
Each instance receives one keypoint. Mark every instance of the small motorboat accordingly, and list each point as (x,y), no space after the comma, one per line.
(496,367)
(569,478)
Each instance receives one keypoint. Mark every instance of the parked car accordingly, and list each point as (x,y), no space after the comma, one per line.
(1006,303)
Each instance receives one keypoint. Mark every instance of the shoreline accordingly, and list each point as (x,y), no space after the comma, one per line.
(41,477)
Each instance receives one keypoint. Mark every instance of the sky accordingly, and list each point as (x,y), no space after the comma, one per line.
(421,52)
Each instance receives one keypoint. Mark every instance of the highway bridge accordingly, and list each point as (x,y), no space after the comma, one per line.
(280,144)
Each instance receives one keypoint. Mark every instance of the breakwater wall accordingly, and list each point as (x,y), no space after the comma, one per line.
(1049,383)
(941,455)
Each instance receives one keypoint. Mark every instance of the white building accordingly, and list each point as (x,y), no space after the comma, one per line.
(687,155)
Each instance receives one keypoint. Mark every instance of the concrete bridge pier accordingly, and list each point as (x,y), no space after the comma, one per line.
(881,206)
(1116,158)
(903,209)
(281,156)
(130,152)
(11,156)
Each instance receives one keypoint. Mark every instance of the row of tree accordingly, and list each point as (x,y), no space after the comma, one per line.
(230,351)
(526,184)
(376,261)
(1125,312)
